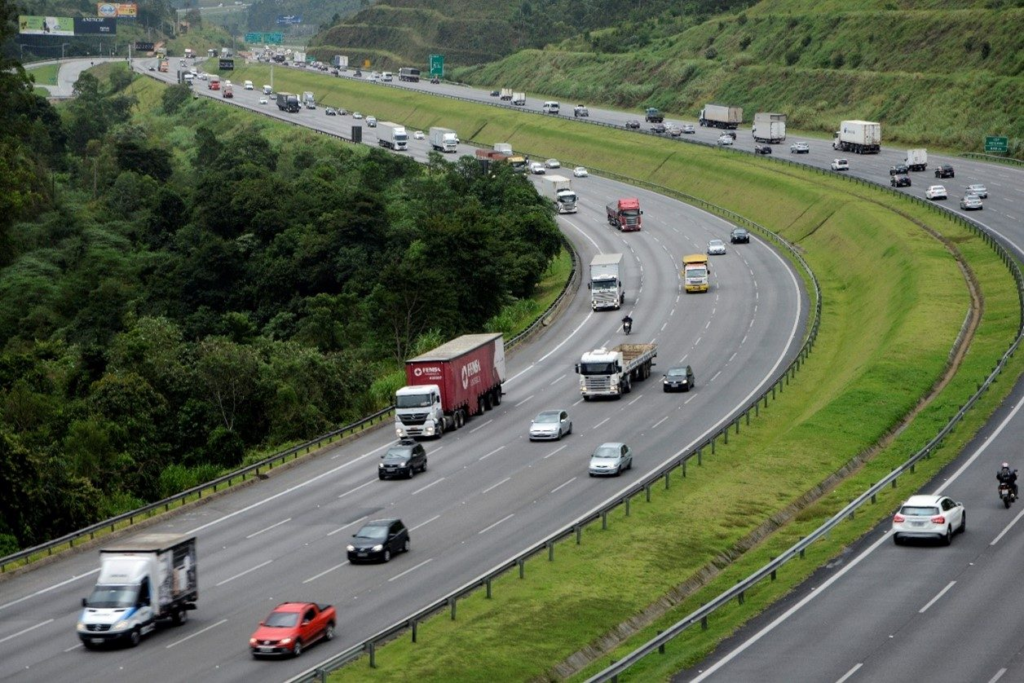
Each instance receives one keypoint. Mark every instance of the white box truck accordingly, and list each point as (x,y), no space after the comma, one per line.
(392,136)
(721,116)
(505,94)
(444,140)
(503,148)
(917,159)
(606,282)
(308,101)
(769,128)
(561,192)
(519,99)
(860,137)
(142,580)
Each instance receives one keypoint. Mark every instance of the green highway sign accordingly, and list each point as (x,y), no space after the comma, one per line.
(266,38)
(437,65)
(254,37)
(996,143)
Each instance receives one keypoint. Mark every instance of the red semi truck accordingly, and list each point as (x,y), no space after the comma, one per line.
(448,385)
(625,214)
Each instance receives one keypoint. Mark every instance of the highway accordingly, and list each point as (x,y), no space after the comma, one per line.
(488,491)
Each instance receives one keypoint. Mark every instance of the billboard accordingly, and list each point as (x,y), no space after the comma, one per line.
(46,26)
(284,20)
(227,65)
(143,47)
(91,26)
(117,9)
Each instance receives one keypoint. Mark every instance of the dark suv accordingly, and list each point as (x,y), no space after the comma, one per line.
(739,235)
(403,460)
(902,180)
(378,540)
(944,171)
(899,169)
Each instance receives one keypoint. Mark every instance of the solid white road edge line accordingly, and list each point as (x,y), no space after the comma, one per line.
(936,598)
(849,673)
(247,571)
(189,637)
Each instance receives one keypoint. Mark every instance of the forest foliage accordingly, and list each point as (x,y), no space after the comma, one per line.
(180,285)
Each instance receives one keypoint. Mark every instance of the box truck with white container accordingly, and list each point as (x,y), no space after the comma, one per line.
(392,136)
(860,137)
(769,128)
(444,139)
(917,159)
(605,284)
(721,116)
(561,192)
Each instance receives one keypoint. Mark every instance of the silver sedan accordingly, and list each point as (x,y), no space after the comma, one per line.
(550,425)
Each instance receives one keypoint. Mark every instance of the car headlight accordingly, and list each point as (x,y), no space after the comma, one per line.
(377,548)
(286,641)
(351,548)
(119,625)
(399,432)
(252,642)
(82,628)
(380,465)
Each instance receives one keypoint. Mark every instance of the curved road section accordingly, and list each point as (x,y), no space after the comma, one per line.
(488,491)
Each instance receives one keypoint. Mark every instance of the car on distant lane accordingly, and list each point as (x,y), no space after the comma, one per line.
(537,168)
(899,169)
(550,425)
(739,235)
(552,163)
(610,459)
(633,124)
(716,247)
(840,165)
(330,111)
(762,149)
(945,171)
(799,148)
(902,180)
(580,172)
(678,378)
(418,135)
(929,516)
(724,140)
(688,129)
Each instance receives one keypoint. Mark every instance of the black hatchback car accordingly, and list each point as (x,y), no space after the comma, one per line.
(633,124)
(762,149)
(659,129)
(899,169)
(403,460)
(679,378)
(944,171)
(739,235)
(379,540)
(902,180)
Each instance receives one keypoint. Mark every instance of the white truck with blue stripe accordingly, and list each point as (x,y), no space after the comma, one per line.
(143,580)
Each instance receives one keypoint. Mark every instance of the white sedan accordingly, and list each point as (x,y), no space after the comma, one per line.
(725,140)
(263,100)
(418,135)
(552,163)
(580,172)
(550,425)
(840,165)
(537,168)
(356,115)
(799,148)
(935,192)
(929,517)
(716,247)
(979,190)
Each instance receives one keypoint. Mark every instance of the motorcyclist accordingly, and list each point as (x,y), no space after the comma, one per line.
(627,324)
(1009,476)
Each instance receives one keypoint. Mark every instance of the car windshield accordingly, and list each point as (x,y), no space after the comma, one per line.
(631,212)
(715,243)
(696,271)
(604,284)
(112,597)
(282,619)
(598,368)
(398,454)
(546,418)
(607,452)
(918,511)
(413,401)
(374,533)
(677,372)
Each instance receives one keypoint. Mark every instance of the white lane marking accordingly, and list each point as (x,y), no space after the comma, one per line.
(849,673)
(325,572)
(562,448)
(423,524)
(25,630)
(715,377)
(285,492)
(999,674)
(1007,528)
(257,533)
(601,422)
(411,569)
(561,486)
(663,327)
(491,453)
(792,610)
(936,598)
(73,647)
(379,448)
(636,399)
(193,635)
(342,528)
(49,588)
(524,400)
(361,486)
(503,519)
(487,490)
(476,429)
(557,381)
(708,325)
(655,425)
(247,571)
(438,481)
(981,448)
(744,340)
(731,358)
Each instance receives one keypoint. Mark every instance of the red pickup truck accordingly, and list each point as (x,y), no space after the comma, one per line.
(625,214)
(292,627)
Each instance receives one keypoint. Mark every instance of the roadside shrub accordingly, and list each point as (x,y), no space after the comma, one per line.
(710,53)
(986,50)
(838,60)
(792,57)
(745,42)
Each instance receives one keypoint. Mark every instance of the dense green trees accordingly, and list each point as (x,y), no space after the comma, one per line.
(179,302)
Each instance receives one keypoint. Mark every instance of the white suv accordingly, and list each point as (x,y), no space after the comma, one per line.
(929,517)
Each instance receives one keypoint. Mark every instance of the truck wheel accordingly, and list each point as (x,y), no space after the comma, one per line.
(135,638)
(497,397)
(487,401)
(180,617)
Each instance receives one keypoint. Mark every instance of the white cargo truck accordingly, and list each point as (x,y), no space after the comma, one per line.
(392,136)
(308,101)
(721,116)
(917,159)
(612,372)
(503,148)
(444,139)
(505,94)
(142,580)
(860,137)
(561,192)
(605,284)
(340,62)
(519,99)
(769,128)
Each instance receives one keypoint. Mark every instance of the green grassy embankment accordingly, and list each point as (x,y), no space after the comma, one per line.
(45,74)
(893,303)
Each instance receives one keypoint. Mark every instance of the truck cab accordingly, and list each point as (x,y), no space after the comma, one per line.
(612,372)
(695,273)
(418,411)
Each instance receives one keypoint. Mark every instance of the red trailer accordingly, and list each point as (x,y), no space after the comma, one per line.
(449,384)
(625,214)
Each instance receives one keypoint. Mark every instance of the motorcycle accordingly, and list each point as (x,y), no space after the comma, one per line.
(627,325)
(1006,493)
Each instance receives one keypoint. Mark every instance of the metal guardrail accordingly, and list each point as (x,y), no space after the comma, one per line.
(993,157)
(797,550)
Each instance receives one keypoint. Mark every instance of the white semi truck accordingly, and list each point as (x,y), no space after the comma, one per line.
(143,580)
(519,99)
(444,139)
(612,372)
(561,192)
(769,128)
(860,137)
(308,101)
(606,282)
(392,136)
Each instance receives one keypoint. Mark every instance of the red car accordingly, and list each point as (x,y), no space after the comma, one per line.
(291,627)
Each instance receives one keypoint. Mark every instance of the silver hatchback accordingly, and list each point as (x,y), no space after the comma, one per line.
(550,425)
(611,459)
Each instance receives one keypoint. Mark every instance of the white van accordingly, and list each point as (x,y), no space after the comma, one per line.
(248,85)
(267,90)
(550,108)
(386,77)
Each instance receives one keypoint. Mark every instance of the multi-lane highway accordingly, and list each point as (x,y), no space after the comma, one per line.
(488,491)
